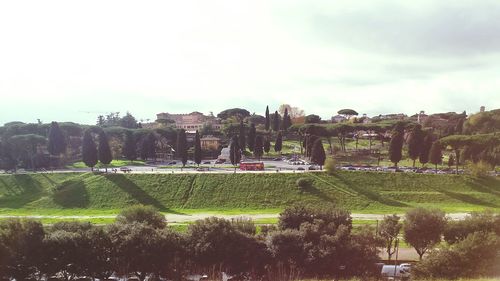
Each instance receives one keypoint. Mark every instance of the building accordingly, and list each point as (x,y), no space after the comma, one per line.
(192,121)
(210,142)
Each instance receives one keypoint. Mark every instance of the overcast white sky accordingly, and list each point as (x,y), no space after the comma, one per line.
(73,60)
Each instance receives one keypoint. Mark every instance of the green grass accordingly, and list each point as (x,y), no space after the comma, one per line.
(360,192)
(113,164)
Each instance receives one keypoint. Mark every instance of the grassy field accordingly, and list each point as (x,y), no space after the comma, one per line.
(113,164)
(360,192)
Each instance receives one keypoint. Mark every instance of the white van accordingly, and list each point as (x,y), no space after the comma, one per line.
(396,272)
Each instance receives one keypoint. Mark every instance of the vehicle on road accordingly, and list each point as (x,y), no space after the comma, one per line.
(396,272)
(125,169)
(252,166)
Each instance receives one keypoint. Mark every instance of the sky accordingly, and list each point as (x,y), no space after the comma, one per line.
(74,60)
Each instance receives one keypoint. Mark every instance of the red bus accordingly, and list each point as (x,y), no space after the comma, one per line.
(252,166)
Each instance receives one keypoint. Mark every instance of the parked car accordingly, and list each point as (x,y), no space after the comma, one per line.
(312,168)
(125,169)
(207,162)
(393,272)
(220,161)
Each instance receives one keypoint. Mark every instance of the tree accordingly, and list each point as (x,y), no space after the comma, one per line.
(389,230)
(318,155)
(276,121)
(142,214)
(234,151)
(105,156)
(268,121)
(242,139)
(148,146)
(451,161)
(251,137)
(279,143)
(426,148)
(56,141)
(396,144)
(182,146)
(415,143)
(435,156)
(22,241)
(267,145)
(237,113)
(287,121)
(197,148)
(129,149)
(89,150)
(348,113)
(129,121)
(258,148)
(28,145)
(312,118)
(423,228)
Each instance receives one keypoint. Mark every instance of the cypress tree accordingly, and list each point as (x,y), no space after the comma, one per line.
(415,143)
(268,121)
(276,121)
(197,148)
(435,156)
(318,155)
(267,145)
(148,147)
(182,146)
(242,138)
(287,121)
(234,151)
(57,142)
(89,150)
(396,145)
(426,148)
(258,148)
(309,143)
(105,156)
(251,137)
(278,145)
(129,149)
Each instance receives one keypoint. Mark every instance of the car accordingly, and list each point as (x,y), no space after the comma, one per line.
(207,162)
(125,169)
(300,169)
(201,169)
(312,168)
(172,162)
(220,161)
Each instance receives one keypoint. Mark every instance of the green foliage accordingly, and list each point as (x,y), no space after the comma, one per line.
(104,151)
(268,120)
(348,112)
(267,145)
(423,228)
(389,230)
(251,137)
(182,146)
(287,121)
(197,149)
(483,122)
(477,255)
(239,113)
(312,118)
(415,143)
(318,155)
(89,150)
(276,121)
(435,154)
(479,169)
(304,183)
(129,150)
(148,146)
(457,231)
(56,140)
(426,148)
(330,165)
(242,141)
(278,145)
(142,214)
(258,149)
(396,146)
(234,151)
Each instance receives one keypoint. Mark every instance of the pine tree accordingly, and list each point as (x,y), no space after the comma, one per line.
(234,151)
(129,149)
(415,143)
(287,121)
(251,137)
(258,148)
(104,151)
(242,137)
(57,142)
(318,155)
(435,156)
(268,121)
(396,145)
(426,148)
(197,148)
(267,145)
(182,146)
(276,121)
(89,150)
(278,145)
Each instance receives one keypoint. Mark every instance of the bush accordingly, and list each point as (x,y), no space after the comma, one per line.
(479,169)
(330,165)
(304,183)
(456,231)
(142,214)
(475,256)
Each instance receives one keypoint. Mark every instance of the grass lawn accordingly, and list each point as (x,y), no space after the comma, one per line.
(87,194)
(113,164)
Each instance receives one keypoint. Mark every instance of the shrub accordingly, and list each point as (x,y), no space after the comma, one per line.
(487,221)
(479,169)
(142,214)
(304,183)
(245,225)
(331,165)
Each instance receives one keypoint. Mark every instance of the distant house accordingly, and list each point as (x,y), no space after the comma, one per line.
(192,121)
(210,142)
(338,119)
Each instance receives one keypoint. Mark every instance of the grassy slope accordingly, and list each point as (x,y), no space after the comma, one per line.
(358,191)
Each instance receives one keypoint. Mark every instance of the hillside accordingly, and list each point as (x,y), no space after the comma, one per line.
(363,192)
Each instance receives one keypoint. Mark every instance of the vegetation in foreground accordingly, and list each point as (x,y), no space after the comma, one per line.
(366,192)
(307,243)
